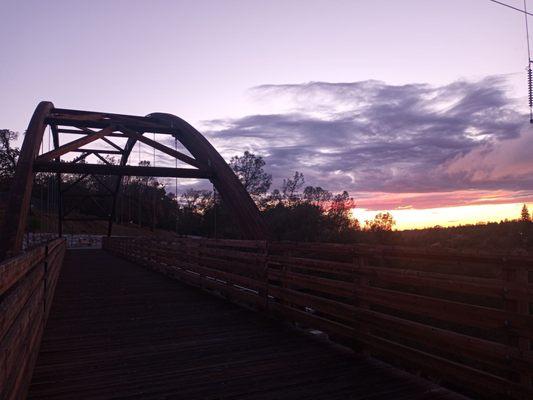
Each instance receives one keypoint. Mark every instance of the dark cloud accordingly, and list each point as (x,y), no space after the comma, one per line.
(373,137)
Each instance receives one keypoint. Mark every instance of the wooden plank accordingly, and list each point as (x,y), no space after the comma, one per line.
(465,314)
(13,269)
(232,254)
(490,386)
(253,270)
(399,252)
(24,308)
(452,283)
(18,345)
(495,354)
(345,268)
(230,278)
(341,310)
(303,281)
(313,321)
(14,300)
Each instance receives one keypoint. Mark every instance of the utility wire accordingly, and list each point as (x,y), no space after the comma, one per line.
(527,33)
(528,69)
(510,6)
(529,72)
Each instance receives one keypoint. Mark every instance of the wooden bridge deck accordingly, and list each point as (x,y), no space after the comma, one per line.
(117,330)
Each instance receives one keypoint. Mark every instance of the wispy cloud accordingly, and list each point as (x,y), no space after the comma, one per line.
(372,137)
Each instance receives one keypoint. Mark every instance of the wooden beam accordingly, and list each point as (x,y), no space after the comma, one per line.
(55,136)
(81,157)
(88,195)
(88,119)
(18,205)
(102,158)
(76,144)
(80,131)
(161,147)
(109,142)
(101,151)
(85,219)
(123,161)
(127,170)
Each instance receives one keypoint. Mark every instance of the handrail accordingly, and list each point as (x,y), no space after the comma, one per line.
(27,284)
(464,319)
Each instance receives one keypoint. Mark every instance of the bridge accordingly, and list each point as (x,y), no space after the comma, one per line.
(194,318)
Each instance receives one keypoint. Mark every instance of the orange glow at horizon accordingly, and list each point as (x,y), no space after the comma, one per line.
(412,218)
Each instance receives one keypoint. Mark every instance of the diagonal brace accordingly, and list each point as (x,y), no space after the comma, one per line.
(161,147)
(76,144)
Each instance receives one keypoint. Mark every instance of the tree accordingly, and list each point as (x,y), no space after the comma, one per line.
(8,156)
(249,170)
(524,215)
(196,201)
(339,212)
(317,196)
(273,199)
(382,222)
(291,186)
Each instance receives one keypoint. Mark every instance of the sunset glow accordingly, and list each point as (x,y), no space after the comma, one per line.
(432,143)
(445,216)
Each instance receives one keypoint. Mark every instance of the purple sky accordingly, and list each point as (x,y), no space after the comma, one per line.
(377,97)
(198,58)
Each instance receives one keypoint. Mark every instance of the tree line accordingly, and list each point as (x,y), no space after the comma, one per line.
(293,211)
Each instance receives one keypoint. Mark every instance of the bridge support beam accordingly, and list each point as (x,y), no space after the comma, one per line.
(18,205)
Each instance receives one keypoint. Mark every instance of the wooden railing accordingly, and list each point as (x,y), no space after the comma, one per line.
(464,320)
(27,284)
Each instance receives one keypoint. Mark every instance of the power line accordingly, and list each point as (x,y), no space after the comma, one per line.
(512,7)
(527,34)
(528,69)
(529,73)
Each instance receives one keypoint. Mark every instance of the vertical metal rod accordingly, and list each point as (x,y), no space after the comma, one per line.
(529,77)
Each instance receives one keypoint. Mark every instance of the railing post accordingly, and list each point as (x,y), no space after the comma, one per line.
(264,273)
(360,282)
(284,285)
(518,277)
(198,257)
(45,279)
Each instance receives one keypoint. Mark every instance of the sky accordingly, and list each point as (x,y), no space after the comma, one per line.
(413,106)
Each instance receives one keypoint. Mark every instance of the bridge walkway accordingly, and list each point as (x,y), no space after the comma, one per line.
(119,331)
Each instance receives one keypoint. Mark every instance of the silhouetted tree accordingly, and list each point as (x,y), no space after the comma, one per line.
(382,222)
(524,215)
(249,170)
(291,186)
(196,201)
(8,157)
(317,195)
(341,223)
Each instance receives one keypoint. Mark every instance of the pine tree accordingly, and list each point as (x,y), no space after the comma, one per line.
(524,215)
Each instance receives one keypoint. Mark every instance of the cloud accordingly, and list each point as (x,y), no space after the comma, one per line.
(372,137)
(501,164)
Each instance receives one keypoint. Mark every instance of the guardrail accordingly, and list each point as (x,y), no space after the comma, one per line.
(464,320)
(27,284)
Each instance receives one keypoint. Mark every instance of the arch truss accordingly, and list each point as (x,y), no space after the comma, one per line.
(88,127)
